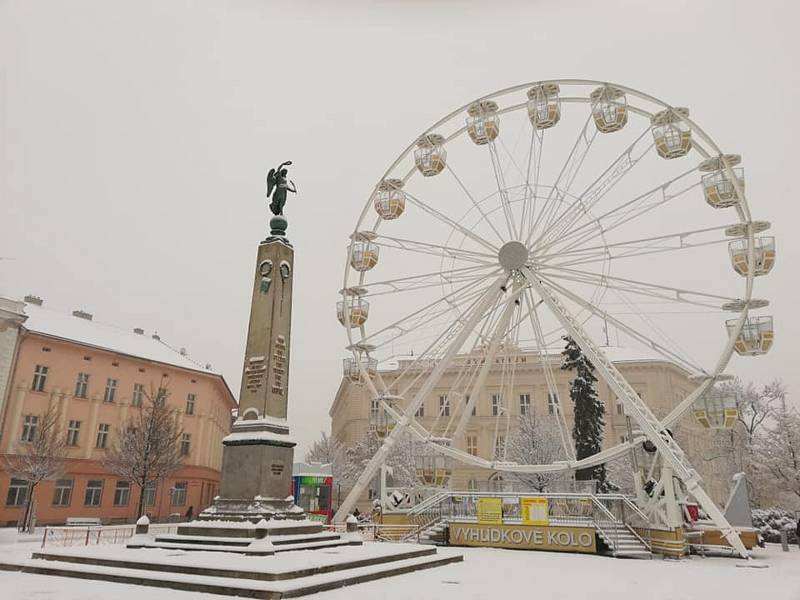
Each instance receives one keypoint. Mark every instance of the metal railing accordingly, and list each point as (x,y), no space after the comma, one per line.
(608,513)
(95,535)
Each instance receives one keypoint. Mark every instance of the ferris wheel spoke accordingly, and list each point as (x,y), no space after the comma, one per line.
(550,379)
(623,326)
(502,191)
(634,286)
(477,205)
(673,242)
(597,190)
(436,250)
(622,214)
(450,222)
(425,280)
(566,177)
(431,310)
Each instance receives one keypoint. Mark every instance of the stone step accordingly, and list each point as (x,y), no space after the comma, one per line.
(283,547)
(154,565)
(234,587)
(277,540)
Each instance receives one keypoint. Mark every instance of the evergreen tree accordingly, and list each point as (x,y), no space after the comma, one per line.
(589,410)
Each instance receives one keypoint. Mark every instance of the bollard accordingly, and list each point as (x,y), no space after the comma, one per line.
(784,540)
(261,545)
(143,525)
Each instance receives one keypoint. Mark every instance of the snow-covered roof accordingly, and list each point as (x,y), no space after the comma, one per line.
(65,326)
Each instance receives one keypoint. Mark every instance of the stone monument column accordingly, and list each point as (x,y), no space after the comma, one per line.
(257,456)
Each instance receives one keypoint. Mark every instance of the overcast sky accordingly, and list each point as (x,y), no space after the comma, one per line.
(134,139)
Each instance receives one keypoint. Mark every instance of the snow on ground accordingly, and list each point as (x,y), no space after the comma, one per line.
(493,573)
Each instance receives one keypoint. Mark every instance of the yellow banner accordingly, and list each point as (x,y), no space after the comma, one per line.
(490,511)
(534,511)
(524,537)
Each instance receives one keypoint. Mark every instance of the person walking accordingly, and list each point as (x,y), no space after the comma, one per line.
(190,513)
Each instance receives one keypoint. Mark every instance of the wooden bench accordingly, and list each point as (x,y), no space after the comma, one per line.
(82,522)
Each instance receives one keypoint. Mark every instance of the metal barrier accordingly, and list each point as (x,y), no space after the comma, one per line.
(104,534)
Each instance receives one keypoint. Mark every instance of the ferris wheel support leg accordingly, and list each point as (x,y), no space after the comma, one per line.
(380,456)
(639,411)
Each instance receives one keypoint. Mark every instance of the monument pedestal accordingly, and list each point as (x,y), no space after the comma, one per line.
(256,474)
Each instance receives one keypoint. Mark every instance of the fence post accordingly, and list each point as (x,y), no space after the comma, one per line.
(44,536)
(86,543)
(784,540)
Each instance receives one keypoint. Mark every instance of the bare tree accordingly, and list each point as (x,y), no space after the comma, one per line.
(536,441)
(757,405)
(40,459)
(148,447)
(401,460)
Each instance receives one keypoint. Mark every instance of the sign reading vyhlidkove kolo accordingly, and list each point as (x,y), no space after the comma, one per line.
(524,537)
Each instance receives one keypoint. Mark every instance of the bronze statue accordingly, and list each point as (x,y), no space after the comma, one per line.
(277,181)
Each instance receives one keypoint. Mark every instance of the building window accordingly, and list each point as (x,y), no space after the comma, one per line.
(73,433)
(82,386)
(161,396)
(138,394)
(472,485)
(472,445)
(102,435)
(122,493)
(374,410)
(524,404)
(17,492)
(190,404)
(474,406)
(63,492)
(420,411)
(150,493)
(111,390)
(29,426)
(444,406)
(179,493)
(497,404)
(94,492)
(552,403)
(186,444)
(39,378)
(499,446)
(620,407)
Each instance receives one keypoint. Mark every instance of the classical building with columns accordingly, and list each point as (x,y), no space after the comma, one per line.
(661,383)
(96,374)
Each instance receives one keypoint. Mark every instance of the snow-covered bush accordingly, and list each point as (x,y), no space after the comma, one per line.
(770,521)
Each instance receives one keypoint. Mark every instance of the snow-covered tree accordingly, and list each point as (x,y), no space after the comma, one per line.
(536,441)
(778,451)
(326,450)
(401,460)
(40,459)
(148,447)
(587,430)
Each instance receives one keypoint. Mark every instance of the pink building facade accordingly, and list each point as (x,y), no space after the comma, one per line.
(95,375)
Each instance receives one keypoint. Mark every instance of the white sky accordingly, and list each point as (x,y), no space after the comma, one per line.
(134,139)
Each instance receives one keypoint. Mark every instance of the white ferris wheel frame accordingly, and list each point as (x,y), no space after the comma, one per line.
(652,429)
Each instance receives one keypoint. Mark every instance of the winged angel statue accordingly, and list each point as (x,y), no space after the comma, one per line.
(280,185)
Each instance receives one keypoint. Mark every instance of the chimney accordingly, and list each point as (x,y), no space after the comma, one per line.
(31,299)
(82,314)
(138,330)
(183,351)
(155,336)
(208,366)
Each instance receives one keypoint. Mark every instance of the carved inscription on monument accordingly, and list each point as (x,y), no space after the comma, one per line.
(278,365)
(254,373)
(277,469)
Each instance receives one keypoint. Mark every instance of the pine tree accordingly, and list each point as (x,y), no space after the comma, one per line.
(589,411)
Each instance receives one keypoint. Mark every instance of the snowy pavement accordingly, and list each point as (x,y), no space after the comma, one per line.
(489,573)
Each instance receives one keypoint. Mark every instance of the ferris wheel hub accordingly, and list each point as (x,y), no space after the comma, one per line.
(513,256)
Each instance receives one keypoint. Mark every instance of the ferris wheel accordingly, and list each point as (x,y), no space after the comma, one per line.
(565,207)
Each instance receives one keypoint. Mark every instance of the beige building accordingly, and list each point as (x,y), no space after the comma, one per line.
(660,383)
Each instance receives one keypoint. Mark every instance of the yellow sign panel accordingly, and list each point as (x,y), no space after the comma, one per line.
(534,511)
(524,537)
(490,510)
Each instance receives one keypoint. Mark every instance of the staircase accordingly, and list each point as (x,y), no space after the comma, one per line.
(434,535)
(622,541)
